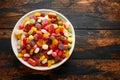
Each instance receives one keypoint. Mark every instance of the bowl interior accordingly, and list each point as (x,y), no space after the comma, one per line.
(14,40)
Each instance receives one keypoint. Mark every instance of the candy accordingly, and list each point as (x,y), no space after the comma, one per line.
(32,62)
(37,14)
(37,50)
(60,46)
(31,51)
(42,58)
(43,39)
(55,41)
(44,61)
(20,55)
(70,39)
(32,21)
(52,15)
(31,37)
(26,55)
(54,54)
(49,52)
(44,46)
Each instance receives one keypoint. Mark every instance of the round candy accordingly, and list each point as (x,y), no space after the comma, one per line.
(54,54)
(37,50)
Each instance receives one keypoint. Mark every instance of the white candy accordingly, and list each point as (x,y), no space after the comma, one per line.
(67,24)
(66,33)
(37,50)
(39,20)
(44,61)
(26,55)
(43,31)
(18,32)
(45,46)
(49,52)
(18,46)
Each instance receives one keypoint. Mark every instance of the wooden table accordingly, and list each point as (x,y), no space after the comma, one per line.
(96,54)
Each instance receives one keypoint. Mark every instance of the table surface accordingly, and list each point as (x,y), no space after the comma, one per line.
(96,55)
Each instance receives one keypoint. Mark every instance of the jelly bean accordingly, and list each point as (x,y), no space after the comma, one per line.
(20,55)
(30,37)
(49,52)
(39,43)
(55,41)
(32,43)
(32,62)
(65,47)
(63,56)
(58,18)
(49,63)
(52,37)
(43,31)
(37,50)
(60,46)
(26,55)
(44,61)
(60,23)
(26,23)
(42,58)
(52,46)
(21,26)
(56,50)
(42,15)
(51,29)
(55,26)
(35,46)
(19,42)
(57,31)
(54,54)
(25,58)
(70,39)
(31,51)
(65,41)
(36,37)
(53,20)
(60,53)
(37,14)
(18,46)
(69,45)
(38,26)
(36,59)
(27,19)
(44,46)
(44,22)
(46,34)
(18,32)
(32,21)
(39,20)
(52,15)
(34,29)
(69,30)
(62,38)
(67,54)
(23,51)
(24,40)
(28,47)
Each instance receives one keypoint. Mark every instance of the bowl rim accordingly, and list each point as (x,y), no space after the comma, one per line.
(40,67)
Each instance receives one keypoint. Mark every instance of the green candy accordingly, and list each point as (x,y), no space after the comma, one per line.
(58,18)
(32,21)
(69,30)
(52,37)
(69,45)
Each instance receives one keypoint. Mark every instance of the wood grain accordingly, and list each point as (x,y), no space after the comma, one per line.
(84,14)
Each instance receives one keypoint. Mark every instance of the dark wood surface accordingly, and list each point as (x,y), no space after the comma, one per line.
(96,55)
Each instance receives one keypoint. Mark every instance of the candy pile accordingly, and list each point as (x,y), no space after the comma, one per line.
(43,39)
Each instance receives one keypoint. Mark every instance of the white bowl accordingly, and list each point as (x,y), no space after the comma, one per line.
(14,40)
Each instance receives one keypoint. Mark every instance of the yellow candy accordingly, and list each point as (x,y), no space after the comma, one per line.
(27,19)
(46,34)
(20,55)
(31,51)
(53,61)
(37,14)
(61,26)
(55,41)
(23,51)
(69,39)
(67,53)
(30,37)
(57,31)
(39,43)
(34,29)
(55,26)
(42,58)
(49,63)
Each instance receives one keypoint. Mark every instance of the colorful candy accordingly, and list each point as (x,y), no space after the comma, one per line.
(43,39)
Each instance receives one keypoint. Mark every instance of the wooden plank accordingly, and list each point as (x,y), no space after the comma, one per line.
(95,14)
(102,44)
(77,69)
